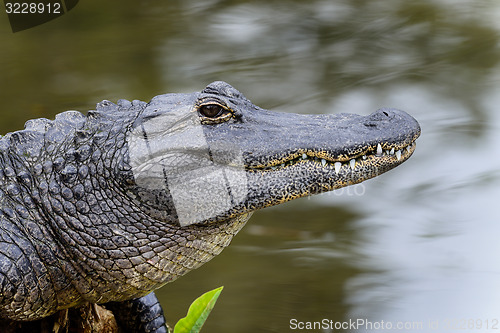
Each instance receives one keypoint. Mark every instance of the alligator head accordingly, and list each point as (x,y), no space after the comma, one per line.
(115,204)
(213,155)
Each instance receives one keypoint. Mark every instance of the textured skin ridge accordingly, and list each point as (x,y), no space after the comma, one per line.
(70,232)
(35,161)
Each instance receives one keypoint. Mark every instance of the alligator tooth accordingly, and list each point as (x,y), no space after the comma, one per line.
(364,157)
(304,156)
(352,163)
(337,167)
(323,162)
(408,148)
(398,155)
(379,150)
(392,151)
(274,167)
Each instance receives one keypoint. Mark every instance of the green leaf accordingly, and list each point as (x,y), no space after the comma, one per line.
(198,312)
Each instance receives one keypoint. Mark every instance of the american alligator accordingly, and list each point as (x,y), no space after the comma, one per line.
(109,206)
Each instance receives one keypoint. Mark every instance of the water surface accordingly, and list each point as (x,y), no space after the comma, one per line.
(416,245)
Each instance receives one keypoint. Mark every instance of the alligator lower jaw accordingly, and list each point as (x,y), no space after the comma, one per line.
(379,155)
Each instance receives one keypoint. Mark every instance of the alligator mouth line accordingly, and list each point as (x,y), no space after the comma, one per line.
(373,152)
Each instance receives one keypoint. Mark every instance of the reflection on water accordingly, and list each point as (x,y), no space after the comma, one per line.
(434,257)
(416,244)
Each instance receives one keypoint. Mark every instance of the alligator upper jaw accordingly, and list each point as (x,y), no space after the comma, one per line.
(386,137)
(323,153)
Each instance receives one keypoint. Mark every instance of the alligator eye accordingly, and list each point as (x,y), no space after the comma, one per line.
(211,110)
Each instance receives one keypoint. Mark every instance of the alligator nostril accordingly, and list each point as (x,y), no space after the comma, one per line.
(384,114)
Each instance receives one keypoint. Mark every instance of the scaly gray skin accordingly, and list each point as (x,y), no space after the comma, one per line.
(111,206)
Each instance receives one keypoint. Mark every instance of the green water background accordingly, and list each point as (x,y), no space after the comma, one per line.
(417,244)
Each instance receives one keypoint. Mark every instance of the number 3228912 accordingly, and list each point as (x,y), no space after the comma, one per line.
(33,8)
